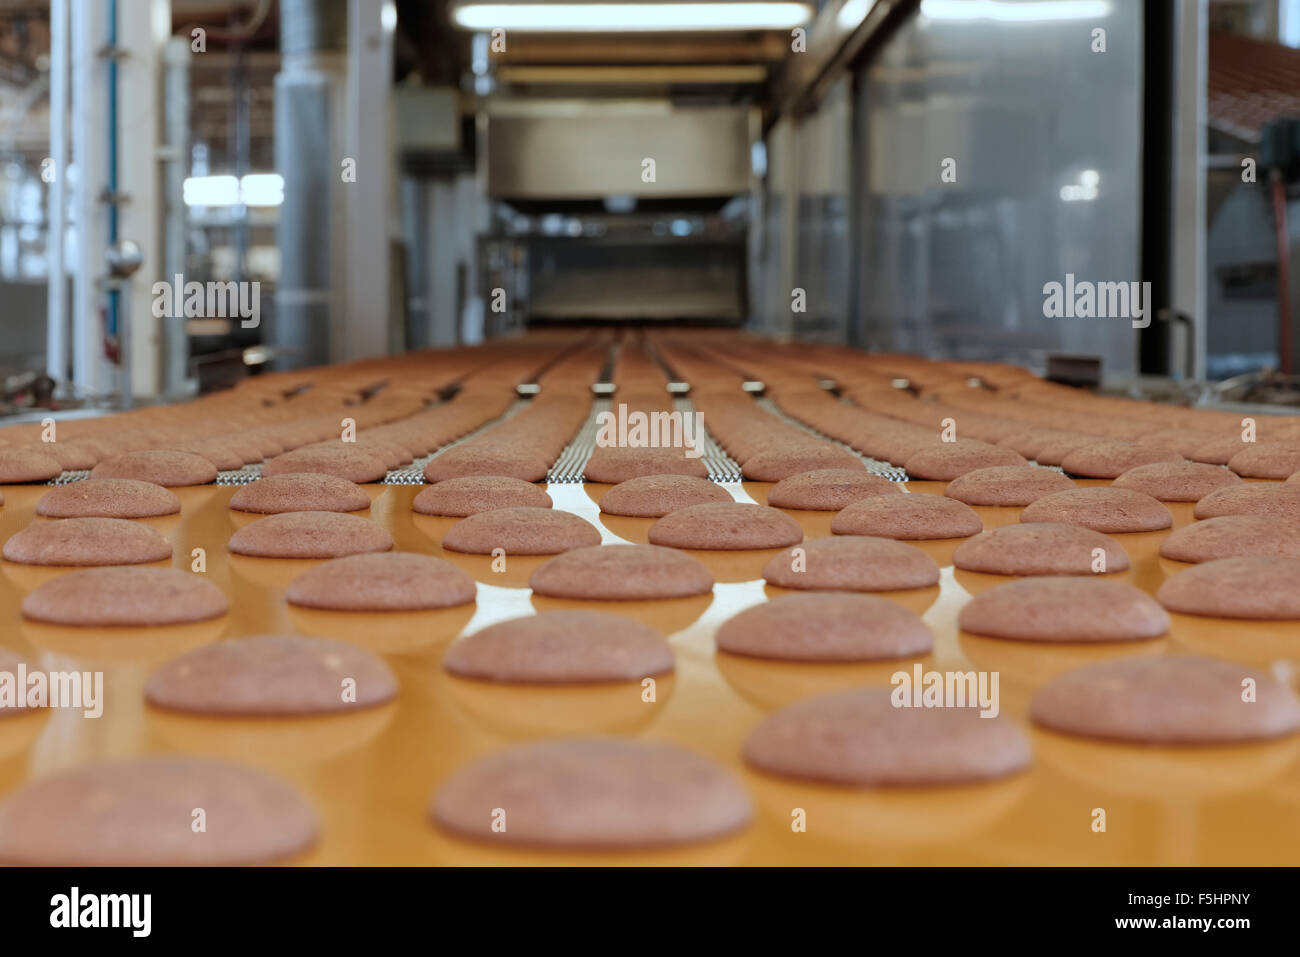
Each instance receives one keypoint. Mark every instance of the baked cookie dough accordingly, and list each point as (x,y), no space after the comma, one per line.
(1007,485)
(654,496)
(167,467)
(1108,509)
(520,531)
(382,581)
(1250,587)
(471,494)
(724,526)
(829,490)
(108,498)
(912,517)
(621,573)
(343,460)
(1064,609)
(1047,548)
(127,596)
(310,535)
(27,465)
(826,626)
(945,461)
(1177,481)
(1111,458)
(300,492)
(1271,501)
(852,563)
(1229,536)
(87,541)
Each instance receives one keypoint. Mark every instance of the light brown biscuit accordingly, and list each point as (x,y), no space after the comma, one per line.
(1166,700)
(852,563)
(167,467)
(382,581)
(774,464)
(914,517)
(476,459)
(27,465)
(1272,501)
(472,494)
(654,496)
(520,531)
(945,461)
(1177,481)
(1251,586)
(556,647)
(1111,458)
(300,492)
(310,535)
(1110,510)
(1007,485)
(621,573)
(108,498)
(1068,608)
(112,597)
(592,793)
(1267,460)
(343,460)
(1039,548)
(1231,536)
(140,813)
(826,626)
(1219,451)
(829,490)
(725,526)
(87,541)
(861,739)
(272,677)
(613,465)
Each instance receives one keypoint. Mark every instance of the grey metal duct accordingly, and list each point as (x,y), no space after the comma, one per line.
(176,161)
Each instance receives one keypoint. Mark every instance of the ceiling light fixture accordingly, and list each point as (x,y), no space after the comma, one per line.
(630,17)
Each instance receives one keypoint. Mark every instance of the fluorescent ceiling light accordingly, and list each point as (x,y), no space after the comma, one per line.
(1011,11)
(631,17)
(254,189)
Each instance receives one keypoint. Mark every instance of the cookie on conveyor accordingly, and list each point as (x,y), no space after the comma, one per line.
(520,531)
(1267,460)
(862,739)
(1177,481)
(1251,587)
(471,494)
(654,496)
(87,541)
(140,813)
(1068,608)
(127,596)
(1046,548)
(592,793)
(556,647)
(382,581)
(1272,501)
(167,467)
(475,459)
(1105,509)
(300,492)
(341,459)
(612,464)
(913,517)
(724,526)
(1012,486)
(622,573)
(27,465)
(829,490)
(1231,536)
(945,461)
(772,465)
(272,677)
(108,498)
(1167,700)
(310,535)
(1111,458)
(825,626)
(852,563)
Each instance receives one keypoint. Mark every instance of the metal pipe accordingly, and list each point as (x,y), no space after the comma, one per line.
(56,316)
(1283,272)
(176,152)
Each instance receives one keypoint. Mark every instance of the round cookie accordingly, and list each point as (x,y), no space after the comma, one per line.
(828,490)
(826,626)
(912,517)
(621,573)
(1109,509)
(1069,608)
(1007,485)
(613,464)
(471,494)
(520,531)
(1267,460)
(140,813)
(593,793)
(9,662)
(774,464)
(556,647)
(945,461)
(725,526)
(272,677)
(1250,586)
(1166,700)
(87,541)
(382,581)
(1219,451)
(1111,458)
(1272,501)
(1231,536)
(310,535)
(128,596)
(1038,548)
(852,563)
(861,739)
(167,467)
(1177,481)
(654,496)
(108,498)
(27,465)
(343,461)
(474,458)
(300,492)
